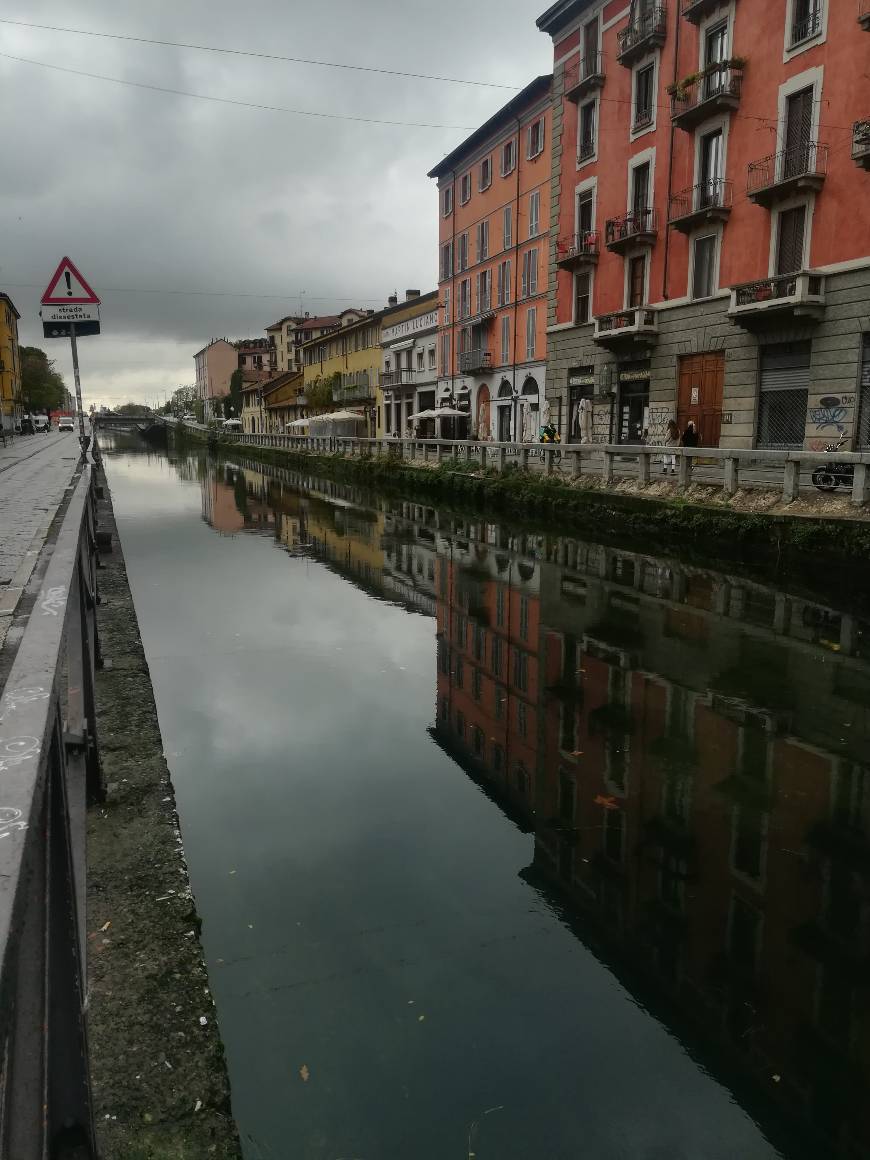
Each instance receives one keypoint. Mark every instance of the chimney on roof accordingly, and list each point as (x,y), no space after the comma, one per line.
(393,300)
(411,294)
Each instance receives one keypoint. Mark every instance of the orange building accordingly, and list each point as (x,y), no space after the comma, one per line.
(711,258)
(494,222)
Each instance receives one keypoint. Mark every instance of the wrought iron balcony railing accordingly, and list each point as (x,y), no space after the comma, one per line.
(474,360)
(861,142)
(578,249)
(637,324)
(708,200)
(586,150)
(648,29)
(802,166)
(639,226)
(583,74)
(806,27)
(714,90)
(402,378)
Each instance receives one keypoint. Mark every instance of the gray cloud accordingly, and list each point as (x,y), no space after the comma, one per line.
(148,190)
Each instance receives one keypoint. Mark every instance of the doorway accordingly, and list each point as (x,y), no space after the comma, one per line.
(699,395)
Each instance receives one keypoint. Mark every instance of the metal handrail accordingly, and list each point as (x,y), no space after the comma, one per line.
(810,26)
(474,360)
(639,221)
(718,80)
(50,767)
(779,286)
(583,245)
(806,159)
(716,193)
(628,319)
(583,68)
(861,131)
(649,23)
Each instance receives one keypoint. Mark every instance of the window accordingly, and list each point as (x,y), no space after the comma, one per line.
(482,240)
(504,283)
(485,178)
(476,684)
(535,143)
(524,618)
(446,261)
(508,157)
(637,281)
(421,356)
(460,723)
(640,191)
(507,227)
(445,354)
(478,643)
(499,607)
(534,214)
(505,342)
(644,97)
(704,264)
(465,189)
(521,670)
(458,672)
(531,331)
(446,305)
(496,654)
(500,702)
(484,291)
(710,170)
(530,273)
(585,215)
(522,719)
(431,358)
(586,132)
(465,298)
(463,251)
(790,241)
(582,297)
(798,134)
(806,21)
(447,201)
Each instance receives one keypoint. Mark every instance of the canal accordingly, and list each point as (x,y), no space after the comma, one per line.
(506,845)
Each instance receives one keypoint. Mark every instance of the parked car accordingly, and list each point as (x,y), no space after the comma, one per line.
(40,422)
(66,423)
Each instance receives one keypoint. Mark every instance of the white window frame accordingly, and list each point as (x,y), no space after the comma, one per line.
(590,185)
(812,41)
(505,339)
(507,227)
(812,78)
(718,16)
(708,232)
(512,145)
(447,201)
(653,59)
(541,124)
(535,220)
(647,155)
(504,274)
(596,115)
(590,271)
(484,183)
(465,183)
(531,333)
(722,125)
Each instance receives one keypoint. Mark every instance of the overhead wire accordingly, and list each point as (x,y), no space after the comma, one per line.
(258,55)
(232,100)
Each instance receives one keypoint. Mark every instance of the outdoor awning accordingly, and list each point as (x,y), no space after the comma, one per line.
(338,417)
(298,423)
(406,344)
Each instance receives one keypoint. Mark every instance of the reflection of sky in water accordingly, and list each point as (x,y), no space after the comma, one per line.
(362,905)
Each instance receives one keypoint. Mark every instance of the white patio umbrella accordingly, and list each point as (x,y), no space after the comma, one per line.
(298,423)
(450,413)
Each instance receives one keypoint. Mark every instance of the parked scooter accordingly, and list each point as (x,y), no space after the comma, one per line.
(833,475)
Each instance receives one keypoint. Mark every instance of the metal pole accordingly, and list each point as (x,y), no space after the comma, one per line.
(84,440)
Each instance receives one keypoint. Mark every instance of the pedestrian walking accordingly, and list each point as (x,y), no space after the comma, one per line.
(690,435)
(672,439)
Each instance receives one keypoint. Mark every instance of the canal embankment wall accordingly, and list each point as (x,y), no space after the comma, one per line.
(160,1085)
(698,519)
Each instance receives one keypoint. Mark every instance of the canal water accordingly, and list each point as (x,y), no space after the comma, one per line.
(506,845)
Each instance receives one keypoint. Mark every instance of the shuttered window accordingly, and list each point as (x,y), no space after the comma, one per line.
(784,389)
(864,398)
(790,244)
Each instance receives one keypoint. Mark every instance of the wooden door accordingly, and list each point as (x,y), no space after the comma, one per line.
(699,395)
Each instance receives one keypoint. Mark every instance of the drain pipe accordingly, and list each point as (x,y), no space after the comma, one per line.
(666,266)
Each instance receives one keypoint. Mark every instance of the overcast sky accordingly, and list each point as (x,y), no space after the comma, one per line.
(148,191)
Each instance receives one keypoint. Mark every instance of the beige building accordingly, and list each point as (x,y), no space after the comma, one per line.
(288,335)
(215,364)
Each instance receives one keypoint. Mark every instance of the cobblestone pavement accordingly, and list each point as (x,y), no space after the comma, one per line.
(35,471)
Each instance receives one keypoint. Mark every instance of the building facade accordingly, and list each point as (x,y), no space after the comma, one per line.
(709,259)
(290,334)
(409,375)
(215,364)
(11,409)
(494,224)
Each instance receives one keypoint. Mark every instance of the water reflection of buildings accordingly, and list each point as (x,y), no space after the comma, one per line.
(689,750)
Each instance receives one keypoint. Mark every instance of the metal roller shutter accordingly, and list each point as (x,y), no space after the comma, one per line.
(784,391)
(864,398)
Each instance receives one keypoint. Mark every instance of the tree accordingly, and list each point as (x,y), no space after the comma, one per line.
(319,394)
(42,388)
(233,401)
(133,410)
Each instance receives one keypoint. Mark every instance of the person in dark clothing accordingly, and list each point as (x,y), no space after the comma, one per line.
(690,435)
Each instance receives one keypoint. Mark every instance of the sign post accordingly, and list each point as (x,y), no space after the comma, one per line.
(70,308)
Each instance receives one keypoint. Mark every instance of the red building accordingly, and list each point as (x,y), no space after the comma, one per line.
(711,258)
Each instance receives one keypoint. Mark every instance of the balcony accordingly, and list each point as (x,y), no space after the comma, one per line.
(709,201)
(355,387)
(485,311)
(783,298)
(806,27)
(637,326)
(639,228)
(472,362)
(586,150)
(402,378)
(697,10)
(783,174)
(864,15)
(646,32)
(861,142)
(584,75)
(715,90)
(578,250)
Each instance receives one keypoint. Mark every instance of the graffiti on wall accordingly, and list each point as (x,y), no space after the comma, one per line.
(831,417)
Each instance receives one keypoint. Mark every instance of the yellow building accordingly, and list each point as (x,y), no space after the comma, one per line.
(10,365)
(350,358)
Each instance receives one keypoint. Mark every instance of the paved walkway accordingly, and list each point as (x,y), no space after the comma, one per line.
(35,471)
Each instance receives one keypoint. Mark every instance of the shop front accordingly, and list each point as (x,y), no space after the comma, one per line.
(581,389)
(632,404)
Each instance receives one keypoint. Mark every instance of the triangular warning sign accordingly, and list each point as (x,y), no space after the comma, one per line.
(68,286)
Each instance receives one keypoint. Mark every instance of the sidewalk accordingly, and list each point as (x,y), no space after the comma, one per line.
(35,471)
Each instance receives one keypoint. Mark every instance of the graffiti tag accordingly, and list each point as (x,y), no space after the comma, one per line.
(11,820)
(53,601)
(17,750)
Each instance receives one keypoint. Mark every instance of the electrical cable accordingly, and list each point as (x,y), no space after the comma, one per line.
(258,55)
(230,100)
